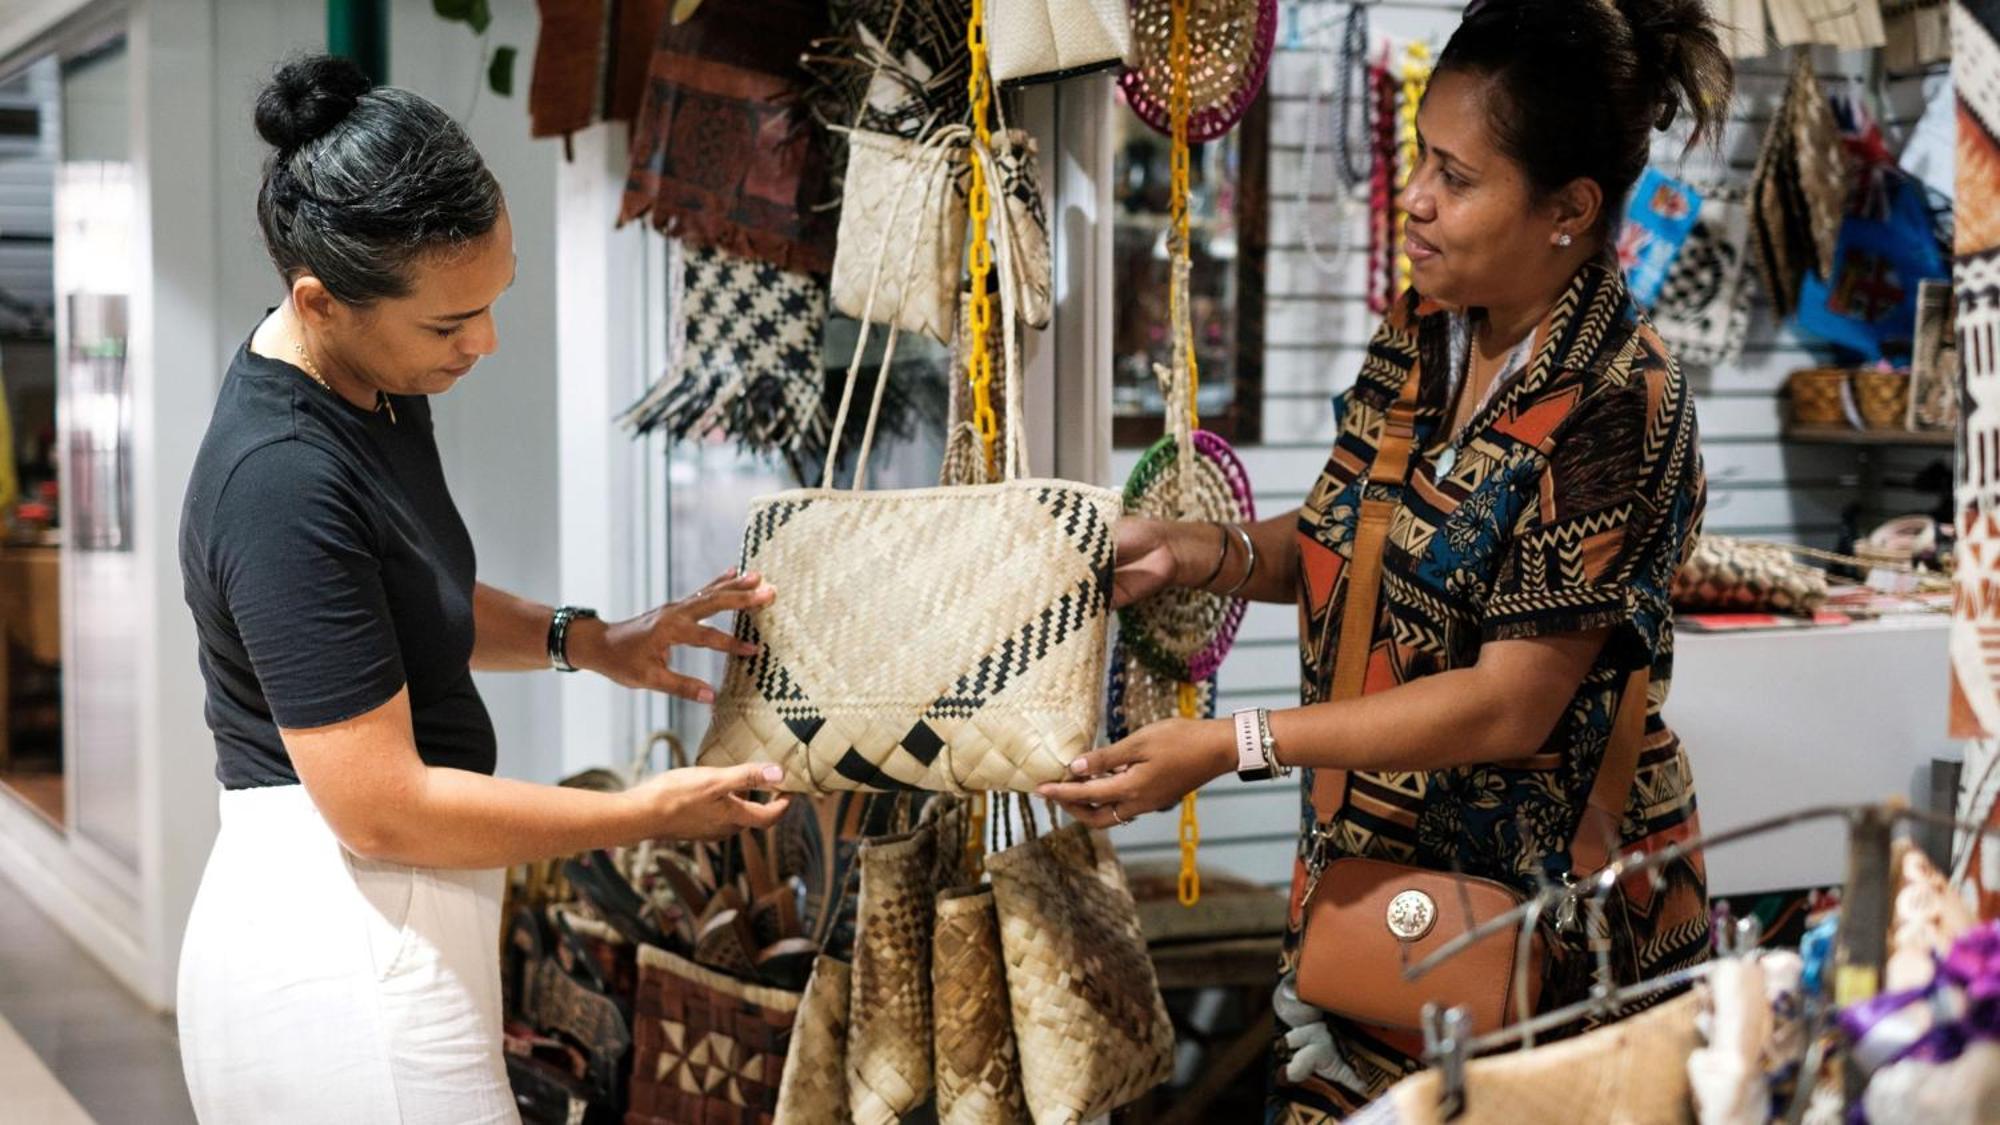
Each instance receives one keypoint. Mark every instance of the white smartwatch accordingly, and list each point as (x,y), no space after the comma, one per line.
(1253,761)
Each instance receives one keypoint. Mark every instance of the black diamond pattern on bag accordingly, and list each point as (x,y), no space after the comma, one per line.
(1051,627)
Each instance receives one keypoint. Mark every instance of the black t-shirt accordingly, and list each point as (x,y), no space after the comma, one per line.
(326,567)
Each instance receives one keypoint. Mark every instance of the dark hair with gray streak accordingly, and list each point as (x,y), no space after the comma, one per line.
(1582,85)
(365,180)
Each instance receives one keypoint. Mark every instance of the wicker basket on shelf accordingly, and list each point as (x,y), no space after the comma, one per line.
(1883,398)
(1816,394)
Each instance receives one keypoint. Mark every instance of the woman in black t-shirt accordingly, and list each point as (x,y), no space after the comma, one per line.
(341,961)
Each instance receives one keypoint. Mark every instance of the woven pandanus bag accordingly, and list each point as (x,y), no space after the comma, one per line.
(946,638)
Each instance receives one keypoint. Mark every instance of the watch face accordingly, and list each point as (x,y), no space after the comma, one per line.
(1261,773)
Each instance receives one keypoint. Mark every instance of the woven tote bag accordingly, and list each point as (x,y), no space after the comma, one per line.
(947,638)
(1092,1029)
(814,1088)
(889,1026)
(977,1065)
(708,1048)
(902,196)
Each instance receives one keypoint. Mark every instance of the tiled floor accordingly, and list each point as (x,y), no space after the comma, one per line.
(116,1059)
(28,1092)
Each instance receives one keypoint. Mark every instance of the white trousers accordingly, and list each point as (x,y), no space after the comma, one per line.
(316,986)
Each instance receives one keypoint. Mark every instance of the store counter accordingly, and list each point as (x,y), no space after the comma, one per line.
(1783,720)
(30,615)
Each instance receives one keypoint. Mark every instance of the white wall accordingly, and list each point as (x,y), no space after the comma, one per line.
(497,432)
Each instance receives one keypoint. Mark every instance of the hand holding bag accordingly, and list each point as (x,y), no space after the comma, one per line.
(1365,920)
(945,638)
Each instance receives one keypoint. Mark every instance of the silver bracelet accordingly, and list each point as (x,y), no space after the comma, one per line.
(1269,745)
(1250,552)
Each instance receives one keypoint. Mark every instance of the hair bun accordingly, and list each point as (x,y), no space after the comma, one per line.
(306,98)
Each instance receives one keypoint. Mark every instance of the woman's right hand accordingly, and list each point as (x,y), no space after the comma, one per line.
(1148,558)
(708,803)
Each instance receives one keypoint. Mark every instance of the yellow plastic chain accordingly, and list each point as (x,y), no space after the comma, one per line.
(1416,75)
(975,837)
(1190,881)
(1180,105)
(979,252)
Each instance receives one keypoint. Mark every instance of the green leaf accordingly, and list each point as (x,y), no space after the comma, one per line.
(500,73)
(454,10)
(479,15)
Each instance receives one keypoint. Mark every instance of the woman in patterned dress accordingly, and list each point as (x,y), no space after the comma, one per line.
(1557,486)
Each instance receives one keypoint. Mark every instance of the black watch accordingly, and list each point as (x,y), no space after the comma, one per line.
(559,635)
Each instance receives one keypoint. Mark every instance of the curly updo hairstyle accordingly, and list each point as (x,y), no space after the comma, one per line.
(364,180)
(1580,86)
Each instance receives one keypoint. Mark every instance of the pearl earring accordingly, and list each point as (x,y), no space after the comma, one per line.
(1564,239)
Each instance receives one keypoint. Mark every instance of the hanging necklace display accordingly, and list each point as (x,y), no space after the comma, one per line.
(1179,637)
(1381,186)
(1352,162)
(1353,156)
(1229,54)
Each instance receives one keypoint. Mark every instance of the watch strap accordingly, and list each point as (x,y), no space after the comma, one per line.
(1251,764)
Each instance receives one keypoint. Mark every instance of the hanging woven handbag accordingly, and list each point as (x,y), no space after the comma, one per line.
(902,195)
(945,638)
(1092,1029)
(978,1066)
(1046,40)
(814,1088)
(889,1023)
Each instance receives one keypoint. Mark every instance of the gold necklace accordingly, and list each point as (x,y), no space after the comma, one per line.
(382,402)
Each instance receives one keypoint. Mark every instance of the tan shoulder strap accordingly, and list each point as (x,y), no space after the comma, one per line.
(1364,573)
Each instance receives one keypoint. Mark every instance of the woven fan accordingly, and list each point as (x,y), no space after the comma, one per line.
(1183,634)
(1230,54)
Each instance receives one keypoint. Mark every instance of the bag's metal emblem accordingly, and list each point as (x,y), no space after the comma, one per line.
(1411,915)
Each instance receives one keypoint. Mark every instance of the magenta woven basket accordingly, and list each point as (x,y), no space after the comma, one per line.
(1230,41)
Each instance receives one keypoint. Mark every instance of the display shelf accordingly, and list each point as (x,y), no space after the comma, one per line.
(1844,435)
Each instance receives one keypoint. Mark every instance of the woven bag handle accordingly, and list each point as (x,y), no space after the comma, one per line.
(942,139)
(642,762)
(1016,461)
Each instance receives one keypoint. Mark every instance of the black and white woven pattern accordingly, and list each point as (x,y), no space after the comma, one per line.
(747,362)
(1703,309)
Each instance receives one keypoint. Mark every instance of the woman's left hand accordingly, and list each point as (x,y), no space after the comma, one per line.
(637,653)
(1147,772)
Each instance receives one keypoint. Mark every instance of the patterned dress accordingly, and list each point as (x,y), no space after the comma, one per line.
(1566,505)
